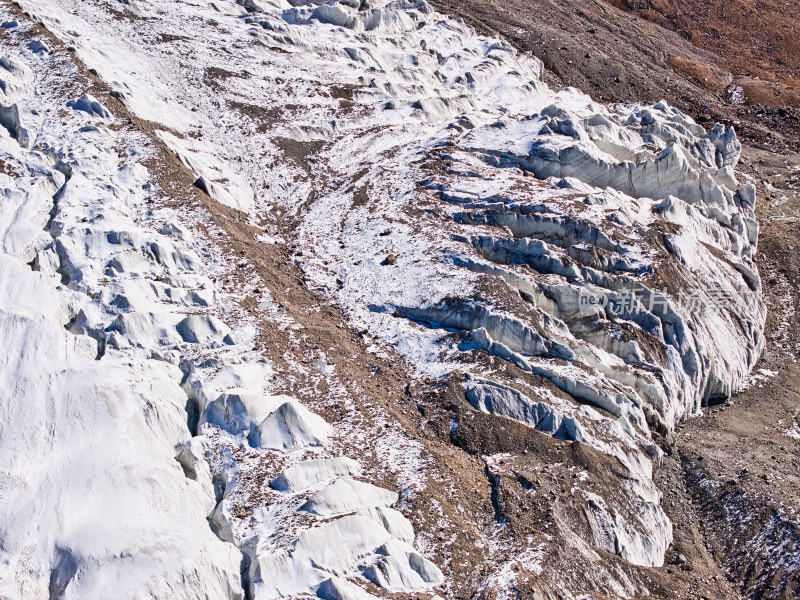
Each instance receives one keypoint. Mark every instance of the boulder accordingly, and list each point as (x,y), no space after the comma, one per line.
(237,411)
(341,589)
(39,47)
(199,329)
(302,475)
(347,495)
(89,104)
(292,426)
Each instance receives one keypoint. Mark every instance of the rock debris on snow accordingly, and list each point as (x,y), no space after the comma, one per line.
(102,317)
(459,211)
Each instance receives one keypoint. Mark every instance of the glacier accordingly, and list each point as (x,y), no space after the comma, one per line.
(587,270)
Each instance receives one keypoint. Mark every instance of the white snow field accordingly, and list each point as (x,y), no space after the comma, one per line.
(461,214)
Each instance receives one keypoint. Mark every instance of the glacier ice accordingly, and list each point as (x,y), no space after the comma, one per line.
(508,204)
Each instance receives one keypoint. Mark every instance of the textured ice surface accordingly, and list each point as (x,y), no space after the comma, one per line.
(452,205)
(95,503)
(115,335)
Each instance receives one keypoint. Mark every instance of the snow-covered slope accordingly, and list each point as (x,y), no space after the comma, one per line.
(93,500)
(108,320)
(587,269)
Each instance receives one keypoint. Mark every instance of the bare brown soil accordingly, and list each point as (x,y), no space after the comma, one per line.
(742,461)
(759,42)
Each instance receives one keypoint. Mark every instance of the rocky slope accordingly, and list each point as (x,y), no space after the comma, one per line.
(765,68)
(343,301)
(619,55)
